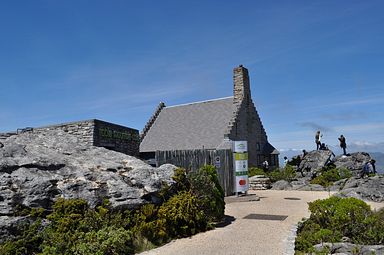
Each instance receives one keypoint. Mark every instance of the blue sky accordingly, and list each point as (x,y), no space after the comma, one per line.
(313,64)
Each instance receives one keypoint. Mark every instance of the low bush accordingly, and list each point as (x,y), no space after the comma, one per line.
(206,188)
(330,174)
(334,218)
(288,173)
(182,216)
(252,171)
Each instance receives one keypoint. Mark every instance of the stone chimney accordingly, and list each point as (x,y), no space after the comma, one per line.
(241,88)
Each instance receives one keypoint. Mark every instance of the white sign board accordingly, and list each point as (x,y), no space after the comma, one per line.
(240,146)
(240,158)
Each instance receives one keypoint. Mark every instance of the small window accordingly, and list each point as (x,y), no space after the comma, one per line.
(258,146)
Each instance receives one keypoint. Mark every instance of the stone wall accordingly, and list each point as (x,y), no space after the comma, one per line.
(100,133)
(82,129)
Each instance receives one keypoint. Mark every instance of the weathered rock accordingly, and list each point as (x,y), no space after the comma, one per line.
(314,161)
(259,182)
(350,248)
(36,169)
(353,162)
(371,188)
(281,185)
(312,187)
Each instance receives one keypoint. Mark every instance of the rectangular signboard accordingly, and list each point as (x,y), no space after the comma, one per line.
(240,146)
(240,156)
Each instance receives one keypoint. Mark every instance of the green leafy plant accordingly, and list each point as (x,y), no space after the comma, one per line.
(252,171)
(334,218)
(330,174)
(206,188)
(288,173)
(182,215)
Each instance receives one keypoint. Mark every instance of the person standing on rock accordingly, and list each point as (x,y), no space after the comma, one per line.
(285,161)
(317,139)
(373,165)
(343,144)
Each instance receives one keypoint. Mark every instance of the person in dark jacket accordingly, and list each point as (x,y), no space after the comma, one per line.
(318,140)
(343,144)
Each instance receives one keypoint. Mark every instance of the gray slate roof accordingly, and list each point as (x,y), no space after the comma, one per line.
(190,126)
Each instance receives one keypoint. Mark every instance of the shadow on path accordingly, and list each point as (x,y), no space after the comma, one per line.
(225,222)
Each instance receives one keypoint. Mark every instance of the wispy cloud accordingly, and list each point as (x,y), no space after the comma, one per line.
(344,116)
(314,126)
(362,128)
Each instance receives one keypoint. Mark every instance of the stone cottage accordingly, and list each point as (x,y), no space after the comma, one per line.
(210,125)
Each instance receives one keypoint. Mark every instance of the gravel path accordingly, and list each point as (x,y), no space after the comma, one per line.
(248,235)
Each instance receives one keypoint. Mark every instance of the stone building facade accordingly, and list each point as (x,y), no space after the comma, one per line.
(211,125)
(101,133)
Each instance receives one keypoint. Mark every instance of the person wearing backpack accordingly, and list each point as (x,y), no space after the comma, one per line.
(343,144)
(367,169)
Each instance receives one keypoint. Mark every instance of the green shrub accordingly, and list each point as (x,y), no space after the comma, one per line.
(252,171)
(180,177)
(334,218)
(330,174)
(288,173)
(27,243)
(109,240)
(182,215)
(206,188)
(148,227)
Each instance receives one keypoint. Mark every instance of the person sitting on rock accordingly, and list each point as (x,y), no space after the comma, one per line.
(317,139)
(323,147)
(343,144)
(367,169)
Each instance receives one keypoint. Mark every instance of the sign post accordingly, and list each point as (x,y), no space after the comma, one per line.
(217,162)
(240,159)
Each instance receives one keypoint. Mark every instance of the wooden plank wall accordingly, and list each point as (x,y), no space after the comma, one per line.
(192,160)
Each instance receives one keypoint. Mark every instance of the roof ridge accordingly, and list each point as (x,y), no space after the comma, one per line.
(199,102)
(152,120)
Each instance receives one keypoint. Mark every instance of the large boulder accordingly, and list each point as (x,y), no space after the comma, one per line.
(353,162)
(36,169)
(314,161)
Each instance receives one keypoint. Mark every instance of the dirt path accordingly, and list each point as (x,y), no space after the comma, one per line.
(257,227)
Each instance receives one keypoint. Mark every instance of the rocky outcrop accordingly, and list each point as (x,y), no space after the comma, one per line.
(353,162)
(314,161)
(281,185)
(350,248)
(36,169)
(370,188)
